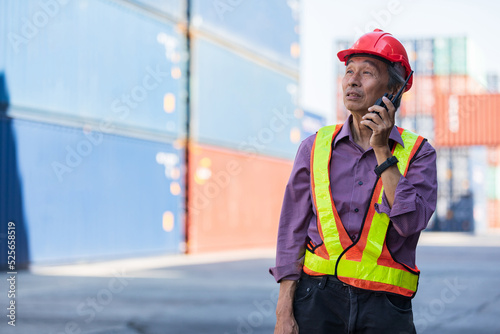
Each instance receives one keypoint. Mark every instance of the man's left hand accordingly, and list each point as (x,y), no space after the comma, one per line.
(382,122)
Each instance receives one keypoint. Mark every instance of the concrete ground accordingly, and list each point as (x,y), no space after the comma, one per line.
(232,292)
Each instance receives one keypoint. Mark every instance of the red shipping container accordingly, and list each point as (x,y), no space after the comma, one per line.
(234,199)
(465,120)
(494,213)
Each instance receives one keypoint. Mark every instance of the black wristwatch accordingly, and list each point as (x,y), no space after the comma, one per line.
(386,164)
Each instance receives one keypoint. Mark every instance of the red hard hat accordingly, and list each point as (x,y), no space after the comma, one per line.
(382,44)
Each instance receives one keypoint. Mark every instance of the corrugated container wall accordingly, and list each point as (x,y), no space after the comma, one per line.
(94,62)
(84,193)
(265,28)
(467,120)
(234,199)
(93,118)
(240,104)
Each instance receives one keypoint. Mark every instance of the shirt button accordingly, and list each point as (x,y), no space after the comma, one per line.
(360,183)
(353,237)
(356,210)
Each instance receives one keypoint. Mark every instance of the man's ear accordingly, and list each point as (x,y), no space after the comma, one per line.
(396,90)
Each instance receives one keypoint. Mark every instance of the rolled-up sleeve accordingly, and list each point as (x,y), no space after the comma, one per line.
(416,195)
(296,213)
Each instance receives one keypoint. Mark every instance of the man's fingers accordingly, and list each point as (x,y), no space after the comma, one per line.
(390,107)
(374,116)
(377,113)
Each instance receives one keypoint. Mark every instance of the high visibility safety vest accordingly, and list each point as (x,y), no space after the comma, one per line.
(365,263)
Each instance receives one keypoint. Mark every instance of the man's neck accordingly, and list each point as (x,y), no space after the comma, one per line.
(360,133)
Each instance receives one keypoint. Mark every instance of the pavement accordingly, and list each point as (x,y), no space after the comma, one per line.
(232,292)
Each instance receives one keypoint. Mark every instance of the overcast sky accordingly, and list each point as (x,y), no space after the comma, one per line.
(325,21)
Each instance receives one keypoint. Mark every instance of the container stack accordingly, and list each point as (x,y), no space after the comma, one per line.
(449,93)
(136,127)
(245,124)
(92,125)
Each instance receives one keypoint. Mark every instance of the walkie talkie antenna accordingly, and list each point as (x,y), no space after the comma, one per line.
(398,95)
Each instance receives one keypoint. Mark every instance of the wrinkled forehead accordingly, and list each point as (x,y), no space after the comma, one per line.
(377,62)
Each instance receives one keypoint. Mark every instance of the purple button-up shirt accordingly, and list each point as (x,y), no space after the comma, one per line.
(352,178)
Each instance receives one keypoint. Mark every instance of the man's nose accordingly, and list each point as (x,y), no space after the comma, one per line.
(353,80)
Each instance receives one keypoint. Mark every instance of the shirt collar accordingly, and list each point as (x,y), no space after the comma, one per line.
(346,132)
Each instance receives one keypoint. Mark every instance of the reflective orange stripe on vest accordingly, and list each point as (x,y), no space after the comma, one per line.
(366,263)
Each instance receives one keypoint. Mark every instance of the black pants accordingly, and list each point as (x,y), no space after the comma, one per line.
(324,305)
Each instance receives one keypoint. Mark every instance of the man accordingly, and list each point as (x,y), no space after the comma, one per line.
(348,231)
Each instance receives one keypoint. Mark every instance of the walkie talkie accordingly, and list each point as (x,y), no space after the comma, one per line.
(396,101)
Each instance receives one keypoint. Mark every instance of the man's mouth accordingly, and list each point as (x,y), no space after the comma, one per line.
(353,95)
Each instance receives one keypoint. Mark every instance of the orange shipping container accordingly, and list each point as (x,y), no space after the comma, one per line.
(234,199)
(494,213)
(464,120)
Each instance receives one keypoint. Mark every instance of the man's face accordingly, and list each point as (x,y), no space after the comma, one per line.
(365,80)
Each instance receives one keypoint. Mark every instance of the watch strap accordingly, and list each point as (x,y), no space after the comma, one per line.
(386,164)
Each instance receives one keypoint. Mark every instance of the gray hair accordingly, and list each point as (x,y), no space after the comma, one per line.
(396,76)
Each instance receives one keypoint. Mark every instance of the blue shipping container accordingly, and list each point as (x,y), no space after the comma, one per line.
(85,61)
(266,27)
(240,104)
(87,195)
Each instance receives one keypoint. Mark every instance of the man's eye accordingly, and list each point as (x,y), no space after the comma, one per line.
(367,73)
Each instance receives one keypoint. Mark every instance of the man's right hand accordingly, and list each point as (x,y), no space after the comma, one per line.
(285,321)
(286,325)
